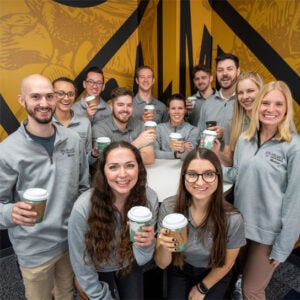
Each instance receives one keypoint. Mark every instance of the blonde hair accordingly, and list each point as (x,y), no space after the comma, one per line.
(239,113)
(285,127)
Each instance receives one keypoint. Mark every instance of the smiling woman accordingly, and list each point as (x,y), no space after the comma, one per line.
(106,263)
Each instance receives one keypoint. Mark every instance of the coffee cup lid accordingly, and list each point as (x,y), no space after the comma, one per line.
(150,123)
(103,139)
(211,132)
(192,98)
(139,214)
(174,221)
(149,106)
(89,98)
(175,135)
(35,194)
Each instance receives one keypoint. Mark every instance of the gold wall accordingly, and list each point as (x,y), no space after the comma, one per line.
(55,39)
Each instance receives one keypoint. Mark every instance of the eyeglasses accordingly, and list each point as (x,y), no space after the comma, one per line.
(208,176)
(91,82)
(62,94)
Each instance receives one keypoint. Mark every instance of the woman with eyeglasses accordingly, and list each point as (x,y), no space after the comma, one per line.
(65,93)
(215,232)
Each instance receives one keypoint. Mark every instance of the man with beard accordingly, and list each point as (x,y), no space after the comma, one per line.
(41,155)
(219,107)
(123,126)
(144,77)
(202,78)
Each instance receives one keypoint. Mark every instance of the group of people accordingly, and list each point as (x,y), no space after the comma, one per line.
(85,229)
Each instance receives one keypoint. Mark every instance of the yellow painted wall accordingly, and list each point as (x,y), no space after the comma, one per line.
(43,36)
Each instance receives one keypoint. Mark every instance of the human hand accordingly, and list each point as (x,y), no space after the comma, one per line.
(91,110)
(188,145)
(179,146)
(195,294)
(275,263)
(95,151)
(166,241)
(147,116)
(22,215)
(144,238)
(218,129)
(188,104)
(145,138)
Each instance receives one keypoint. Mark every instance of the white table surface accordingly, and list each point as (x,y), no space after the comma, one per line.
(163,177)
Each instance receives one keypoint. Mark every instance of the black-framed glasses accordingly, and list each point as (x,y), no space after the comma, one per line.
(62,94)
(92,82)
(208,176)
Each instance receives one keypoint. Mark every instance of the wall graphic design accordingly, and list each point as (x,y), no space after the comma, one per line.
(64,37)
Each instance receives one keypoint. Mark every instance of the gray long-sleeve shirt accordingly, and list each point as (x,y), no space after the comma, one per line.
(25,164)
(267,191)
(162,146)
(86,273)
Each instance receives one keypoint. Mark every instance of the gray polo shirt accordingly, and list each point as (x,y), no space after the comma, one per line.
(161,112)
(217,109)
(103,110)
(200,243)
(194,115)
(107,127)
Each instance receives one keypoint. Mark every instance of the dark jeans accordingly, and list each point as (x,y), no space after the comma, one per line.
(125,287)
(180,282)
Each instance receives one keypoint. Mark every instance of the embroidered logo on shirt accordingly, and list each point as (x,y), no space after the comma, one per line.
(68,152)
(273,157)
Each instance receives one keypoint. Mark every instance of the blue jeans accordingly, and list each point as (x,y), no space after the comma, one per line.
(180,282)
(125,287)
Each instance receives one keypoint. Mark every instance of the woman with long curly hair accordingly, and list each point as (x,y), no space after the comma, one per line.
(215,232)
(106,264)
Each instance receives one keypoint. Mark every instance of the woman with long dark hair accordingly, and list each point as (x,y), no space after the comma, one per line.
(106,264)
(215,232)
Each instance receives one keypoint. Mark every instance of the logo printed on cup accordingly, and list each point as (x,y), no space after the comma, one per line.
(209,138)
(177,225)
(138,216)
(174,136)
(37,198)
(150,125)
(102,142)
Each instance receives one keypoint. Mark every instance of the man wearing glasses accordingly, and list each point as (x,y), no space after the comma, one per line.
(94,85)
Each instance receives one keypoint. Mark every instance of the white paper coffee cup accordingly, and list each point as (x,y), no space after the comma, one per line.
(150,108)
(193,100)
(102,142)
(37,198)
(174,136)
(138,216)
(90,100)
(209,138)
(150,125)
(177,225)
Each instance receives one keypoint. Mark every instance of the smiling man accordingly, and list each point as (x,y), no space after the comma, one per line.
(41,155)
(123,126)
(94,85)
(219,107)
(144,77)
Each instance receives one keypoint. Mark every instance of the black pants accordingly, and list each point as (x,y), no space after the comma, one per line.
(125,287)
(180,282)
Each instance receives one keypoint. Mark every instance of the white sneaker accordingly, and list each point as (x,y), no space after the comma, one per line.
(237,292)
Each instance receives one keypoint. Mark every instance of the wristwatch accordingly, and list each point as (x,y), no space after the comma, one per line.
(202,288)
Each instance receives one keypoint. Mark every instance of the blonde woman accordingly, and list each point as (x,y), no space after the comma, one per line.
(266,172)
(247,86)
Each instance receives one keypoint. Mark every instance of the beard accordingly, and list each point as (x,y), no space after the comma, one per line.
(33,114)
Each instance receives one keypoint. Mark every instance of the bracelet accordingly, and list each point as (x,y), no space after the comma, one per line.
(201,287)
